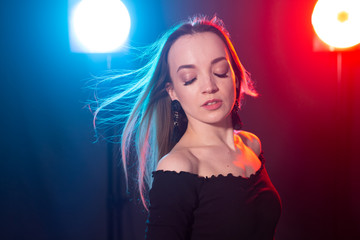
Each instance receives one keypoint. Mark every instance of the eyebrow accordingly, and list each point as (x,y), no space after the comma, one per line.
(193,66)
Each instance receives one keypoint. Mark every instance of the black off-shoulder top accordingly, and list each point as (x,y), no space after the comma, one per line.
(186,206)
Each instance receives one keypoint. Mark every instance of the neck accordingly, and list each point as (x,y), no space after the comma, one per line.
(203,134)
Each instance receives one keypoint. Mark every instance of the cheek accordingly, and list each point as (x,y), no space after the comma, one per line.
(189,100)
(184,94)
(230,88)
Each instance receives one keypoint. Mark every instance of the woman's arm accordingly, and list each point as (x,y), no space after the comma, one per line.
(173,199)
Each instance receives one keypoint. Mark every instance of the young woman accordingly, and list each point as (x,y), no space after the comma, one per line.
(206,177)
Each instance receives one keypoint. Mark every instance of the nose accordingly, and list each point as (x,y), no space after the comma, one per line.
(210,86)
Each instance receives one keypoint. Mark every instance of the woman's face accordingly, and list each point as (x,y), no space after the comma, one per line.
(203,80)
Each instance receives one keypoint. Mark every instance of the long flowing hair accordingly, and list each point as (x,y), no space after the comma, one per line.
(148,129)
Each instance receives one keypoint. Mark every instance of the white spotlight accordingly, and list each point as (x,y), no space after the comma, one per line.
(337,22)
(99,26)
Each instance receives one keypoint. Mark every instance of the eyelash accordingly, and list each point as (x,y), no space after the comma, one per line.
(189,82)
(218,75)
(221,75)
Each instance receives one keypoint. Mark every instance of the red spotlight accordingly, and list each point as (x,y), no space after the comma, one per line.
(337,22)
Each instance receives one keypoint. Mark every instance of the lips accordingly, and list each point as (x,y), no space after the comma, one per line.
(212,104)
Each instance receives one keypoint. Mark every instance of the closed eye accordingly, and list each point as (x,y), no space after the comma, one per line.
(189,82)
(224,75)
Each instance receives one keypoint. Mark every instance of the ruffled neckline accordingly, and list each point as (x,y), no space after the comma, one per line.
(219,176)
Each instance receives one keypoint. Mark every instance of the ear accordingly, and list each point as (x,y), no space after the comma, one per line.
(170,90)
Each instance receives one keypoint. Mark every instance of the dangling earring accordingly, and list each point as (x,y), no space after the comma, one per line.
(175,108)
(235,115)
(177,111)
(237,124)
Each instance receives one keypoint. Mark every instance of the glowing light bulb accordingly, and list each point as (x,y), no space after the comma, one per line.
(101,26)
(337,22)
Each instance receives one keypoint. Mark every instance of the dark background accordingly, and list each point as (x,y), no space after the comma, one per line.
(54,177)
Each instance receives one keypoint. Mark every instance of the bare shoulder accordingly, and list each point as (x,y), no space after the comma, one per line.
(251,140)
(178,160)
